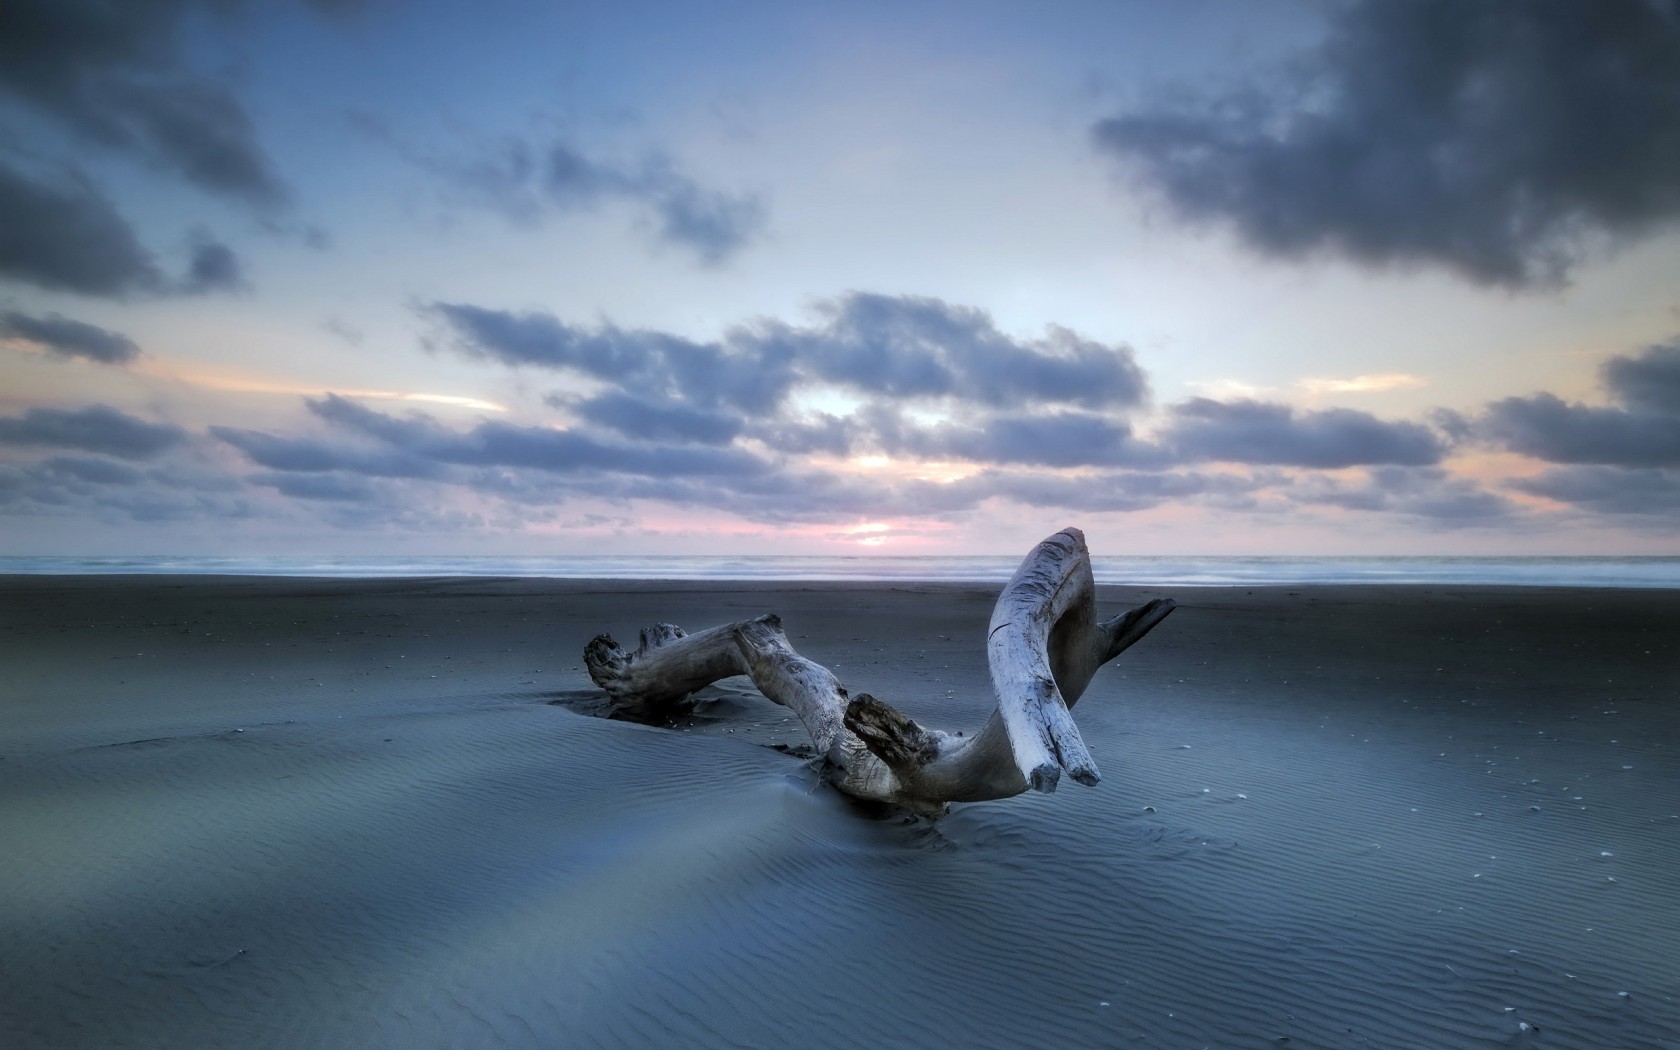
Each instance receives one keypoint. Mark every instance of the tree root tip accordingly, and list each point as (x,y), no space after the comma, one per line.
(1044,778)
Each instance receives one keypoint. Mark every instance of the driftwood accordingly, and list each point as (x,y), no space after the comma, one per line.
(1043,646)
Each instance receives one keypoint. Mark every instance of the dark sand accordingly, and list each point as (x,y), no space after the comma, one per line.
(284,813)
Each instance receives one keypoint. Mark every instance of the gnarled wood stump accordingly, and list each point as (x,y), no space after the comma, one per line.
(1044,645)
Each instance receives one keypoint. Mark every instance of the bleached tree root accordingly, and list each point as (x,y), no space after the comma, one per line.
(1043,647)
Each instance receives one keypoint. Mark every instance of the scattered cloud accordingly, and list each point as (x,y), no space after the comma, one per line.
(345,330)
(1428,493)
(346,488)
(649,420)
(525,181)
(64,235)
(64,337)
(1499,139)
(213,268)
(1609,489)
(1642,430)
(313,455)
(403,446)
(116,74)
(888,346)
(96,428)
(1125,490)
(1054,439)
(82,488)
(94,470)
(1265,433)
(1649,382)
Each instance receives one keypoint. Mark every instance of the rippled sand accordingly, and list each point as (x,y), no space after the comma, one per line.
(294,813)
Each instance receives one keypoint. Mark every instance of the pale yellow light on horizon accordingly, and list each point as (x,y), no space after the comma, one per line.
(252,383)
(1363,384)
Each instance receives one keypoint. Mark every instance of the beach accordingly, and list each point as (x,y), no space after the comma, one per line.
(257,812)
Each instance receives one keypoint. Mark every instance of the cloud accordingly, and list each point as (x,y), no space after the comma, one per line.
(912,346)
(1643,432)
(1496,139)
(713,224)
(1649,382)
(91,469)
(420,439)
(214,268)
(84,488)
(1609,489)
(888,346)
(1055,439)
(114,73)
(97,428)
(1128,490)
(647,420)
(1264,433)
(65,236)
(63,337)
(310,455)
(540,339)
(334,487)
(525,181)
(1421,492)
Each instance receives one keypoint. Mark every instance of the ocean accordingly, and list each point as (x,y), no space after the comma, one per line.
(1646,572)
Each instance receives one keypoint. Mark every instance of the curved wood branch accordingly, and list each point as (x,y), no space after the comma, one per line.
(1043,647)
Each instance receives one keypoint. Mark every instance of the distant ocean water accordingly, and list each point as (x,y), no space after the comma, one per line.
(1662,572)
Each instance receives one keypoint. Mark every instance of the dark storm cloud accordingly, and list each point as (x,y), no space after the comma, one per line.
(1258,432)
(97,428)
(114,73)
(891,346)
(65,236)
(1609,490)
(64,337)
(1494,138)
(1643,432)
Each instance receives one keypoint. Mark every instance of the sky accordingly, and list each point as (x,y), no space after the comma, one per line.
(313,277)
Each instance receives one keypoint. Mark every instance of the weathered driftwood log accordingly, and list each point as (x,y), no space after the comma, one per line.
(1043,647)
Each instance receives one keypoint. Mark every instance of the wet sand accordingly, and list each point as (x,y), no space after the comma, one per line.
(332,813)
